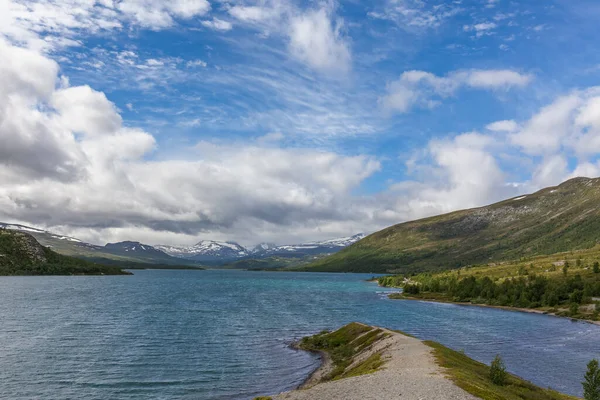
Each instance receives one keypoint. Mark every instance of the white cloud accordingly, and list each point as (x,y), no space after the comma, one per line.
(481,29)
(544,132)
(271,137)
(157,14)
(416,15)
(315,40)
(314,36)
(492,79)
(48,25)
(503,126)
(571,123)
(218,24)
(424,89)
(253,14)
(84,170)
(196,63)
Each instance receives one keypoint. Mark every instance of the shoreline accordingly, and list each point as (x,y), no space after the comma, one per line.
(505,308)
(325,365)
(407,368)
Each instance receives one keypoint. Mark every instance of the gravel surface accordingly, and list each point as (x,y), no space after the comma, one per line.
(409,373)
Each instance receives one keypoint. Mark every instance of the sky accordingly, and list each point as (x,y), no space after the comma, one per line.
(287,121)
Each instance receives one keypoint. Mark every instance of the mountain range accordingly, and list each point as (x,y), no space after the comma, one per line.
(214,251)
(555,219)
(204,252)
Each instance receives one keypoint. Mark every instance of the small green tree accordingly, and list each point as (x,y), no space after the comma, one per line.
(498,373)
(596,267)
(591,384)
(566,268)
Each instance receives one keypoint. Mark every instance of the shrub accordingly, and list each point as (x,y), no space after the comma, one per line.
(411,289)
(498,373)
(591,383)
(574,309)
(596,267)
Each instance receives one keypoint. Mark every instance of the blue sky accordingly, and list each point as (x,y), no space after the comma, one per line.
(287,121)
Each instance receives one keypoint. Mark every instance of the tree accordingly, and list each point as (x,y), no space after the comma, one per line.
(566,268)
(591,384)
(597,267)
(498,373)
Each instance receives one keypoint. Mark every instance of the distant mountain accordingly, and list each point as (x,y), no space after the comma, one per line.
(207,251)
(225,252)
(204,252)
(262,248)
(555,219)
(22,254)
(138,251)
(124,252)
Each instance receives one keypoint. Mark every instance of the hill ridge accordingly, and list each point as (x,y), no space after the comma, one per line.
(558,218)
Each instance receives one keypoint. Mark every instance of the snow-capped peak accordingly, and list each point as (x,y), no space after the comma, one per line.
(207,249)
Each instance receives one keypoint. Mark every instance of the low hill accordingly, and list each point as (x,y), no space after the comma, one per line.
(22,254)
(555,219)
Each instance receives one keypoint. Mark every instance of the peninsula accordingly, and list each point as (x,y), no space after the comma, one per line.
(364,362)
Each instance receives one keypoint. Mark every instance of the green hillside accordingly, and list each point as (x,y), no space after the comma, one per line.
(21,254)
(555,219)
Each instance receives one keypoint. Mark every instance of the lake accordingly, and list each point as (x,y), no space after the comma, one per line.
(225,334)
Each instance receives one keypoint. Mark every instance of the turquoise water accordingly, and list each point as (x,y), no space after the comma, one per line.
(225,334)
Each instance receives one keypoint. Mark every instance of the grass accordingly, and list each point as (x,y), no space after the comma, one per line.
(526,270)
(552,220)
(473,377)
(343,346)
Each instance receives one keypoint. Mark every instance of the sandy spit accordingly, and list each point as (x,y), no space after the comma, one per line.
(409,373)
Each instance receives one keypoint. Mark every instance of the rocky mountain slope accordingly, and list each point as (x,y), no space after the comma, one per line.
(561,218)
(21,254)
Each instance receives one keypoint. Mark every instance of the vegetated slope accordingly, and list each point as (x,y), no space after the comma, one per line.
(566,217)
(21,254)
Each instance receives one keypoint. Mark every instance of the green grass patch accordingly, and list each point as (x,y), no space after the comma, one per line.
(370,365)
(473,377)
(343,345)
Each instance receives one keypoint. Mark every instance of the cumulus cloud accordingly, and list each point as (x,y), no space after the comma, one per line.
(424,89)
(470,170)
(86,170)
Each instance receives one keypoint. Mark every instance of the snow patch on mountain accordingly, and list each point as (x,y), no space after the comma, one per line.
(215,250)
(23,228)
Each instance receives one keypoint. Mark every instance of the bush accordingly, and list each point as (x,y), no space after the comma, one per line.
(591,384)
(574,309)
(498,373)
(411,289)
(596,267)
